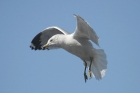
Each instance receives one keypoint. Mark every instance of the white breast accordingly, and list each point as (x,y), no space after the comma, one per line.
(80,48)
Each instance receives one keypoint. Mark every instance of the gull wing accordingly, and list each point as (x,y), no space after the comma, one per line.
(83,30)
(42,38)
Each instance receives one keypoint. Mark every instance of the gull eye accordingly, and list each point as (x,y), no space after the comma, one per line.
(51,40)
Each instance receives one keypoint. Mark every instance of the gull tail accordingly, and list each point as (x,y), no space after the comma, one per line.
(99,64)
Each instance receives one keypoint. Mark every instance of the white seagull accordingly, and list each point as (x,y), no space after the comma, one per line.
(76,43)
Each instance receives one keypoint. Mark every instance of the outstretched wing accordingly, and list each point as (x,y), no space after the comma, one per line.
(42,38)
(83,30)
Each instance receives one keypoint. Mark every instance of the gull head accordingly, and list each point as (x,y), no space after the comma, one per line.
(52,42)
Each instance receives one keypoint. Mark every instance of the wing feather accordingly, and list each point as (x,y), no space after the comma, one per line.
(83,30)
(42,38)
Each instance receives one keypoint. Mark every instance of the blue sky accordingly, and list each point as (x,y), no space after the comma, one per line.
(116,22)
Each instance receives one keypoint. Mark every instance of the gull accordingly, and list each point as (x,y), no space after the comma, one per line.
(78,43)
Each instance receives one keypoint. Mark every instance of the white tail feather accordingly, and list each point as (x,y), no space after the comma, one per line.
(99,64)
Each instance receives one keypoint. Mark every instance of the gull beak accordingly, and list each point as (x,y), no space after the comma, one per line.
(46,45)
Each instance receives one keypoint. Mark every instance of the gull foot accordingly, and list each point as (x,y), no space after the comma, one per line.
(90,73)
(85,77)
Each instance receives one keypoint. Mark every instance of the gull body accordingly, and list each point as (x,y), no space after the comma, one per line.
(82,48)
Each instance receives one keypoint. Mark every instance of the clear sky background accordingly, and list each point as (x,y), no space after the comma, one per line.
(22,70)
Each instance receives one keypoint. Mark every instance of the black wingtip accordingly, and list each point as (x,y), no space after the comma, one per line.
(43,48)
(31,47)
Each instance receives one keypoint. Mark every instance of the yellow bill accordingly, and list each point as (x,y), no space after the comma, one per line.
(46,45)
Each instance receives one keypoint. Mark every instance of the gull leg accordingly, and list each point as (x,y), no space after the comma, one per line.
(85,76)
(90,73)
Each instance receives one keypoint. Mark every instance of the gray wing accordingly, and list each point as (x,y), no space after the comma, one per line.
(83,30)
(42,38)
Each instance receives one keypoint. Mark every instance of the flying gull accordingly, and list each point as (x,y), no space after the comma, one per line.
(77,43)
